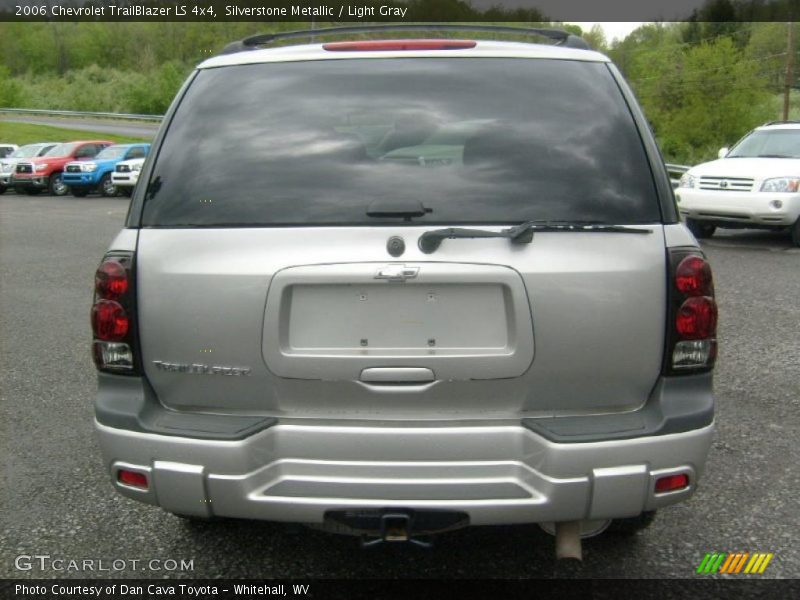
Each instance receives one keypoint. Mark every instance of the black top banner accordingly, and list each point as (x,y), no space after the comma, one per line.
(402,11)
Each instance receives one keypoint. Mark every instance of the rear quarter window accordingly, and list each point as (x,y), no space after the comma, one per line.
(476,140)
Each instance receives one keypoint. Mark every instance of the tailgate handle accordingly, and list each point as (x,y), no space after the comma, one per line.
(397,375)
(397,272)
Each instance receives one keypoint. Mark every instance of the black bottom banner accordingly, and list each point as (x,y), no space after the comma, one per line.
(410,589)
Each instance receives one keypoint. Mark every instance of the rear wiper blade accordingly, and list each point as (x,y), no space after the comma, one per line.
(523,233)
(519,234)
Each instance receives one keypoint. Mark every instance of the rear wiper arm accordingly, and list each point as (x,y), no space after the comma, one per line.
(519,234)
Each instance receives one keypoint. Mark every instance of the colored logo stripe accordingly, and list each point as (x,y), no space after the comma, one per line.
(711,562)
(734,562)
(758,563)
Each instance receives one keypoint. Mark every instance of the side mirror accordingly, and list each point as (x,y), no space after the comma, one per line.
(723,152)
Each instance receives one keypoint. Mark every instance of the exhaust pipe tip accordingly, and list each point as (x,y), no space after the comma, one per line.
(568,540)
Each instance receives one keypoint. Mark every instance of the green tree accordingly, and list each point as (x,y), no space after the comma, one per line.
(596,38)
(153,94)
(11,95)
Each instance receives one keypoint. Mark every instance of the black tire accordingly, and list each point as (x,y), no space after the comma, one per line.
(56,186)
(126,191)
(106,187)
(700,230)
(79,192)
(2,189)
(631,525)
(796,233)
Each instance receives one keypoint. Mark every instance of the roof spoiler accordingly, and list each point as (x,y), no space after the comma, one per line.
(559,36)
(781,123)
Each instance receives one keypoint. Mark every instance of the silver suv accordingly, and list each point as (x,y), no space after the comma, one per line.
(402,286)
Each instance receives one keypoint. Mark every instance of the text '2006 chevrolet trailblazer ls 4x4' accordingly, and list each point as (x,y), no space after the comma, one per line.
(403,286)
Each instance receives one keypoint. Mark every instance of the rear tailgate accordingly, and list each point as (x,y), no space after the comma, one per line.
(265,284)
(571,322)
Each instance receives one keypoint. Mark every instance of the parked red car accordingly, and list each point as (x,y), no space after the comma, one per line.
(34,175)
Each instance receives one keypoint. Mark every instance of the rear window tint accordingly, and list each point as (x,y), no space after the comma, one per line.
(476,140)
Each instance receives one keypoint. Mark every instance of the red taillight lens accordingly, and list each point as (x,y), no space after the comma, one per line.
(693,277)
(389,45)
(697,318)
(671,483)
(109,321)
(113,315)
(132,478)
(111,280)
(691,345)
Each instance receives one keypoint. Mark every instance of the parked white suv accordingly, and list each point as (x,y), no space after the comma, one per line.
(754,185)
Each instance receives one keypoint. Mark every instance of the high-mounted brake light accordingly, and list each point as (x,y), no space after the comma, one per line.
(112,315)
(390,45)
(692,319)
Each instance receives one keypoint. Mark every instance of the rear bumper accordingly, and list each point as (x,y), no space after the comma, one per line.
(496,474)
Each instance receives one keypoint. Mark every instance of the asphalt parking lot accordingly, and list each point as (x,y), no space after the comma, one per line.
(56,499)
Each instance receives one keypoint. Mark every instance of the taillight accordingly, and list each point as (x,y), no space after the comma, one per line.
(112,315)
(111,279)
(133,479)
(697,318)
(671,483)
(393,45)
(692,315)
(110,322)
(693,277)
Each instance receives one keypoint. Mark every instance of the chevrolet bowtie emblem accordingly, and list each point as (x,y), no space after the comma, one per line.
(396,272)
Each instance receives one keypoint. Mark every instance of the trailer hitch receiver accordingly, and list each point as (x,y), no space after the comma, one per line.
(395,527)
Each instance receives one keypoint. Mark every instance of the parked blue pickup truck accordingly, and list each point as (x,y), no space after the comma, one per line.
(83,177)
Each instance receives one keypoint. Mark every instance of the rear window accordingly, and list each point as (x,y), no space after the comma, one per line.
(476,140)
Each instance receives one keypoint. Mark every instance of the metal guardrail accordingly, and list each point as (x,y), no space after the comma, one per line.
(80,114)
(675,172)
(676,169)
